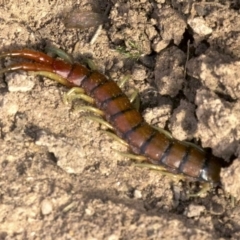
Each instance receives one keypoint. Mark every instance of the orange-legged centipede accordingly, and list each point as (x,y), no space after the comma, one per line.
(174,156)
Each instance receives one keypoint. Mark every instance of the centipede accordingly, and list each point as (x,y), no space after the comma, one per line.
(157,149)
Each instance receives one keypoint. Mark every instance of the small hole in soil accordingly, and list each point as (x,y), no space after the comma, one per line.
(187,36)
(52,157)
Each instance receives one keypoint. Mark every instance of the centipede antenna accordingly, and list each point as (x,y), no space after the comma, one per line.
(115,137)
(101,121)
(89,109)
(131,156)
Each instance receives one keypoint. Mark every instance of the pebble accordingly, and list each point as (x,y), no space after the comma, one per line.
(19,82)
(199,26)
(46,207)
(194,210)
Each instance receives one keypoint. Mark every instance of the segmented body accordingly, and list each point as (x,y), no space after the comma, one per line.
(175,156)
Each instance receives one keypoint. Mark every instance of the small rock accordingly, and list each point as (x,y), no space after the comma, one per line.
(137,194)
(171,25)
(20,82)
(230,179)
(194,210)
(158,46)
(199,26)
(158,115)
(139,73)
(46,207)
(169,71)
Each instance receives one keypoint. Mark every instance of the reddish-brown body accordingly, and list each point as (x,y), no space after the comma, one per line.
(174,156)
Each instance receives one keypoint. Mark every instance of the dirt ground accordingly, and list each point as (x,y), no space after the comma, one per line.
(60,176)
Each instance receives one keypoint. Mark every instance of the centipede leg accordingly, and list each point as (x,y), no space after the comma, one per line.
(123,81)
(37,69)
(131,156)
(160,169)
(77,93)
(89,109)
(60,53)
(163,131)
(205,188)
(52,76)
(169,135)
(193,145)
(135,99)
(101,121)
(115,137)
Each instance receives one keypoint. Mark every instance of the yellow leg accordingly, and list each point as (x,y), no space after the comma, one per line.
(77,93)
(205,188)
(131,156)
(123,81)
(169,135)
(53,76)
(163,131)
(115,137)
(133,96)
(90,109)
(60,53)
(101,121)
(193,145)
(90,63)
(161,169)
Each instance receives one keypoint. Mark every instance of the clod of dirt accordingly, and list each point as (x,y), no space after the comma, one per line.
(137,194)
(158,116)
(139,73)
(183,123)
(218,120)
(225,36)
(169,71)
(199,26)
(217,71)
(171,25)
(20,82)
(70,156)
(230,179)
(194,211)
(46,207)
